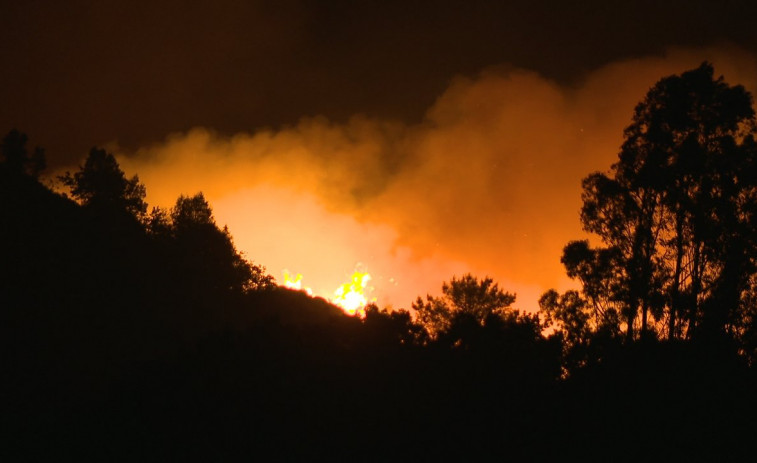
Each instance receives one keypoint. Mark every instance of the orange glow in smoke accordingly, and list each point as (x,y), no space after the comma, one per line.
(475,187)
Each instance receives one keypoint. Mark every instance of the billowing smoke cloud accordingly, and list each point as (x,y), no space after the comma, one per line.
(488,183)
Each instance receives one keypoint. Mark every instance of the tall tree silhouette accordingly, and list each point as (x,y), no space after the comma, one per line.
(599,272)
(207,252)
(676,212)
(16,158)
(102,185)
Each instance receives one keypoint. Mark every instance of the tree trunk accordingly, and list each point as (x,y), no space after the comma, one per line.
(675,292)
(630,317)
(696,288)
(725,299)
(644,310)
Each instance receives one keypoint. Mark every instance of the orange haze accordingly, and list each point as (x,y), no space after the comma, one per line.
(488,182)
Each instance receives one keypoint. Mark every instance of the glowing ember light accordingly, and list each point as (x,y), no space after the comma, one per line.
(351,297)
(295,283)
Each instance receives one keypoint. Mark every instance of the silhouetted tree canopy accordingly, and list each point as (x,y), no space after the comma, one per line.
(16,158)
(207,252)
(192,212)
(467,295)
(675,214)
(395,327)
(101,184)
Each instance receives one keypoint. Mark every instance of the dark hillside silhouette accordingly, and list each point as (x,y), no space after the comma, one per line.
(101,185)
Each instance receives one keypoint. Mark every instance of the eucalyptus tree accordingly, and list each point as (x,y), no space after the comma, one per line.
(677,210)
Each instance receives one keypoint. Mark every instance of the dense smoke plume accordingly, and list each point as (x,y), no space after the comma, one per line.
(488,182)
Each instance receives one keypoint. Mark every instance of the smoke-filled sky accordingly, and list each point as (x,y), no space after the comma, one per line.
(414,140)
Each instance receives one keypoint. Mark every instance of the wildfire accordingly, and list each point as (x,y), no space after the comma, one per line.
(295,283)
(351,297)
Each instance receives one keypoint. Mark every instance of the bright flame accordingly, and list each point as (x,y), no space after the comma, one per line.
(295,283)
(350,297)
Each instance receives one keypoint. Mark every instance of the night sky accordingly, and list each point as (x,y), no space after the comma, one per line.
(415,139)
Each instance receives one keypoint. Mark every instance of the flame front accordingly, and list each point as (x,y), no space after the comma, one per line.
(351,297)
(295,283)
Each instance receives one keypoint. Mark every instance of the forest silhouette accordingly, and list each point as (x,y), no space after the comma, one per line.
(142,335)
